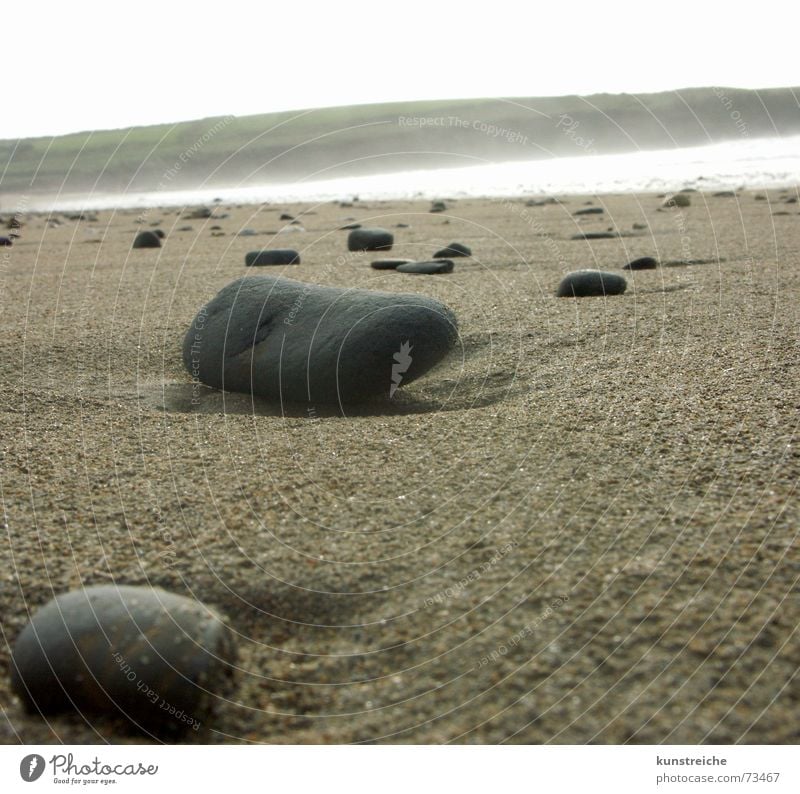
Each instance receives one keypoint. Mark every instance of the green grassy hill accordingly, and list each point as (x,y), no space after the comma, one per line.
(364,139)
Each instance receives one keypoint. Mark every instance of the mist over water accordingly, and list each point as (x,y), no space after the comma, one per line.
(748,163)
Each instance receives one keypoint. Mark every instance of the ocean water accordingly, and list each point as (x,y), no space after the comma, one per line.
(748,163)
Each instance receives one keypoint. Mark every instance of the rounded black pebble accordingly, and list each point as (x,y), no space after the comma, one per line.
(438,206)
(158,660)
(454,249)
(369,240)
(588,283)
(5,241)
(427,268)
(643,263)
(273,256)
(147,240)
(303,343)
(589,211)
(389,264)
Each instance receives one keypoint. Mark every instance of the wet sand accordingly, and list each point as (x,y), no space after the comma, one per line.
(580,527)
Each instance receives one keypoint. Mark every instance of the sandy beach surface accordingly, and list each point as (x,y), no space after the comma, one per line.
(580,527)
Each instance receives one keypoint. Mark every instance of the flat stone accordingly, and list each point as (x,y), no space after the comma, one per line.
(643,263)
(588,283)
(454,249)
(389,264)
(427,268)
(157,659)
(589,211)
(147,240)
(369,240)
(595,236)
(302,343)
(272,256)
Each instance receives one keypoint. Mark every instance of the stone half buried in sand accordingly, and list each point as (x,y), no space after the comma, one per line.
(301,343)
(157,660)
(588,283)
(147,240)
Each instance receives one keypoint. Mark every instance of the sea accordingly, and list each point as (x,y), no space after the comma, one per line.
(745,163)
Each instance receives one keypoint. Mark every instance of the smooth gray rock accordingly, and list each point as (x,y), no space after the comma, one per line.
(427,268)
(369,240)
(273,256)
(587,283)
(155,658)
(302,343)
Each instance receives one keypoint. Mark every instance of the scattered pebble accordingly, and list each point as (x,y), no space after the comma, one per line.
(370,240)
(147,240)
(427,268)
(587,283)
(643,263)
(453,250)
(389,264)
(273,256)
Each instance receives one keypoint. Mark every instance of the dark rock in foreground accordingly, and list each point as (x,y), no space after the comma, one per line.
(294,342)
(370,240)
(588,283)
(643,263)
(147,240)
(389,264)
(454,249)
(272,256)
(427,268)
(154,658)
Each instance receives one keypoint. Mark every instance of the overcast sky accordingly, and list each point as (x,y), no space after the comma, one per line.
(70,66)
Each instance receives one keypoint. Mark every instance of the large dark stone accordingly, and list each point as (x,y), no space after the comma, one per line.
(273,256)
(157,659)
(427,268)
(586,283)
(453,250)
(147,240)
(369,240)
(294,342)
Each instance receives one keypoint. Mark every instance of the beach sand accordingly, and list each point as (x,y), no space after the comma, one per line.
(580,527)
